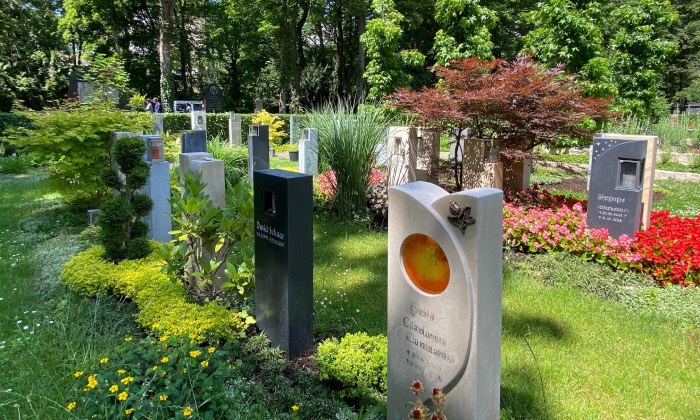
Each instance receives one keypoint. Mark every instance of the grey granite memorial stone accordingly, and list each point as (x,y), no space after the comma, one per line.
(198,120)
(292,129)
(615,185)
(235,137)
(308,151)
(157,187)
(284,259)
(157,123)
(193,141)
(212,171)
(258,105)
(444,298)
(258,149)
(213,98)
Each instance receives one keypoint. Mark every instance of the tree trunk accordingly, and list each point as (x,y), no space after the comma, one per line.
(339,51)
(164,45)
(360,79)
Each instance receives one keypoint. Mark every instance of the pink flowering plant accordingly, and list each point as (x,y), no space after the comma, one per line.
(328,183)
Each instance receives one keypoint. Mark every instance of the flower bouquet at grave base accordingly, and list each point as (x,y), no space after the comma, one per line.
(419,411)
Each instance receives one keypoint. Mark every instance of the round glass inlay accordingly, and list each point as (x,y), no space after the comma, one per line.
(425,263)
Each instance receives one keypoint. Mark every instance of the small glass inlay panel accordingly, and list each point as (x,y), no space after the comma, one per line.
(269,203)
(629,174)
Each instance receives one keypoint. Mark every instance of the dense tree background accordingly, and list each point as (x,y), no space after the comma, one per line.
(296,54)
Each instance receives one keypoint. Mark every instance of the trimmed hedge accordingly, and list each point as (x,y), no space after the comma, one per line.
(164,306)
(217,124)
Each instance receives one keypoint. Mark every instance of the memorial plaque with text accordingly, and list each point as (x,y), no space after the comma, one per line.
(615,185)
(213,98)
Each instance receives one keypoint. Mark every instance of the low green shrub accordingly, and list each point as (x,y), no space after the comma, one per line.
(164,306)
(19,164)
(11,120)
(235,160)
(359,362)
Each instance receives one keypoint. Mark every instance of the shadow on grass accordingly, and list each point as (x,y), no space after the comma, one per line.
(523,397)
(520,325)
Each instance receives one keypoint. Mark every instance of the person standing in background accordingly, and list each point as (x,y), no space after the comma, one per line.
(156,105)
(149,105)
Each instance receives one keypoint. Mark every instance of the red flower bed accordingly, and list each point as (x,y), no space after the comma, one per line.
(537,221)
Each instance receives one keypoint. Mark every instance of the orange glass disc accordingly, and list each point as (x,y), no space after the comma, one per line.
(425,263)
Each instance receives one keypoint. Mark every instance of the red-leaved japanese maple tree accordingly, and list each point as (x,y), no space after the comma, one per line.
(520,104)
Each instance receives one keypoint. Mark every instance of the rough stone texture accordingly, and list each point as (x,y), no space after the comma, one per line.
(450,339)
(308,151)
(235,136)
(212,171)
(284,259)
(186,160)
(198,120)
(158,188)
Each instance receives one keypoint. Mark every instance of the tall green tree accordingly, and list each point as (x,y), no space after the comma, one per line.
(464,30)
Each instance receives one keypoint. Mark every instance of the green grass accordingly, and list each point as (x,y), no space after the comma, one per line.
(45,331)
(547,176)
(682,198)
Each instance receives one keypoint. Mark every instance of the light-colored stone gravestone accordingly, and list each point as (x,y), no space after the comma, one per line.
(157,123)
(186,160)
(649,171)
(235,136)
(308,151)
(402,161)
(292,129)
(615,185)
(444,298)
(212,171)
(157,188)
(198,120)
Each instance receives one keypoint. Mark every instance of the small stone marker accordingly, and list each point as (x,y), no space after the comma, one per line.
(198,120)
(258,149)
(157,123)
(444,298)
(308,151)
(235,137)
(615,185)
(193,141)
(284,259)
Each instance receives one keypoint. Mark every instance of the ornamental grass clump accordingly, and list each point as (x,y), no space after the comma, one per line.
(347,143)
(123,232)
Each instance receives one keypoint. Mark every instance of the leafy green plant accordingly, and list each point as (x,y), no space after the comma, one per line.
(358,361)
(346,143)
(78,141)
(15,164)
(123,232)
(235,160)
(205,236)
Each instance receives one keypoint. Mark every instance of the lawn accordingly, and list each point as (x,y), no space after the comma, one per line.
(604,344)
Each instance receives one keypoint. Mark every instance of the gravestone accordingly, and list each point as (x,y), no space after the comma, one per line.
(212,171)
(235,136)
(258,105)
(292,129)
(308,151)
(615,185)
(186,160)
(258,149)
(693,108)
(213,98)
(284,259)
(157,188)
(402,156)
(198,120)
(444,298)
(193,141)
(649,171)
(157,123)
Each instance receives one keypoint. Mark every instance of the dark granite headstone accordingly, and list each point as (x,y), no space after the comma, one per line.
(258,149)
(213,98)
(615,185)
(193,141)
(284,259)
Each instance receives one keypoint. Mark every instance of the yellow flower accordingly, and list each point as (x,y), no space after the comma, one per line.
(128,411)
(72,405)
(127,380)
(155,368)
(92,382)
(78,374)
(163,338)
(163,397)
(165,359)
(114,388)
(184,370)
(121,371)
(127,339)
(195,353)
(187,411)
(155,326)
(123,396)
(295,407)
(211,350)
(205,363)
(192,336)
(104,360)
